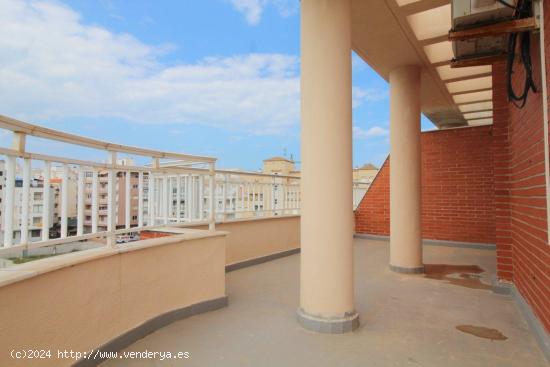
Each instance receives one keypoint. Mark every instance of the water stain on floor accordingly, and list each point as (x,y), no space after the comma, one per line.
(461,275)
(482,332)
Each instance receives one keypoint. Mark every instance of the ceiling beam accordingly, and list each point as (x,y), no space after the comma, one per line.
(422,5)
(476,111)
(468,77)
(471,91)
(431,41)
(472,102)
(477,61)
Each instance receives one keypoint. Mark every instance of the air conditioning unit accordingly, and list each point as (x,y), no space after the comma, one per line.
(474,13)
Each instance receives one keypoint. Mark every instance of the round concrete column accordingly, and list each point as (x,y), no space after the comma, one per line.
(405,167)
(326,294)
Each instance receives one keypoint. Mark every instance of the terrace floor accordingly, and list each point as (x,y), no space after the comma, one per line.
(406,320)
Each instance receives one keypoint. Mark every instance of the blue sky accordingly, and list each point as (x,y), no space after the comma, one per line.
(212,77)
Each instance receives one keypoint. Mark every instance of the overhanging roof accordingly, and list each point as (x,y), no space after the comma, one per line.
(392,33)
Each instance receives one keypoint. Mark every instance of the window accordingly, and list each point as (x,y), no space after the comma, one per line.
(134,217)
(37,208)
(89,174)
(35,233)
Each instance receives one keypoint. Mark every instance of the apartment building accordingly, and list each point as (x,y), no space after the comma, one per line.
(362,179)
(250,194)
(35,205)
(102,197)
(365,174)
(280,166)
(56,174)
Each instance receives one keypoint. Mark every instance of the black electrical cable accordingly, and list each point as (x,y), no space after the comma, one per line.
(506,4)
(523,10)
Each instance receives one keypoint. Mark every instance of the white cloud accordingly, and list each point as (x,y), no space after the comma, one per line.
(373,132)
(361,95)
(54,66)
(253,9)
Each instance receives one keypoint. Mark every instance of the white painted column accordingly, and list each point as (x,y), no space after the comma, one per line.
(253,191)
(95,199)
(405,166)
(165,198)
(127,199)
(326,274)
(224,196)
(201,197)
(112,201)
(25,201)
(151,199)
(178,197)
(46,216)
(171,210)
(212,210)
(80,203)
(248,198)
(9,190)
(140,199)
(188,200)
(64,199)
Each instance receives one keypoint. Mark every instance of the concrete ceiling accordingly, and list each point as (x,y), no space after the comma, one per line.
(392,33)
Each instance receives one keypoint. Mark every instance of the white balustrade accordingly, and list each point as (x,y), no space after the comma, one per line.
(173,190)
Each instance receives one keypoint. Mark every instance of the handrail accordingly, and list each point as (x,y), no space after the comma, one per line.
(111,199)
(228,171)
(14,125)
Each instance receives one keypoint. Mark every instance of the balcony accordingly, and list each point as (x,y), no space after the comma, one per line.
(446,262)
(406,320)
(246,224)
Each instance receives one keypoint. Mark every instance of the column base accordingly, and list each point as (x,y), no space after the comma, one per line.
(402,270)
(336,325)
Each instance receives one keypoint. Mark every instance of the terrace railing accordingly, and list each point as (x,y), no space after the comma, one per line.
(69,199)
(242,194)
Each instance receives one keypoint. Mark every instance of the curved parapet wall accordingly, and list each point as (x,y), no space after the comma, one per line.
(108,297)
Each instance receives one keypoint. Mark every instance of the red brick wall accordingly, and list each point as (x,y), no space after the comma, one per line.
(457,185)
(523,253)
(457,189)
(373,213)
(547,44)
(501,159)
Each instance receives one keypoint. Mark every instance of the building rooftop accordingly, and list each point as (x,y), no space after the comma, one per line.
(406,320)
(367,166)
(278,158)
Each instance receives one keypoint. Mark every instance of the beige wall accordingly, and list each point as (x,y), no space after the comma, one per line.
(261,237)
(81,307)
(280,166)
(252,238)
(364,175)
